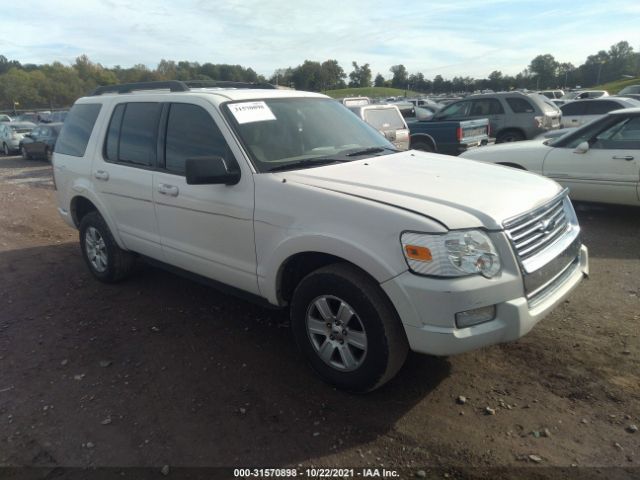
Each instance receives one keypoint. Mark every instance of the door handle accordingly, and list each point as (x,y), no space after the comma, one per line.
(628,158)
(170,190)
(101,175)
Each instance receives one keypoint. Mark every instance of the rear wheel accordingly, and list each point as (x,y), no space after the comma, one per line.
(347,328)
(423,146)
(105,259)
(24,153)
(510,136)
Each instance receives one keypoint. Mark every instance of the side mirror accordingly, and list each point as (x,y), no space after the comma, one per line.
(210,171)
(582,148)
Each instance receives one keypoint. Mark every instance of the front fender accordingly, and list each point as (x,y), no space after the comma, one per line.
(379,267)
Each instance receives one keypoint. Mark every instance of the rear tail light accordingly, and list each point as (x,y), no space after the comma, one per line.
(459,133)
(488,130)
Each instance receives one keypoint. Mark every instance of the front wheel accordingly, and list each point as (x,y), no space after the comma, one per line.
(347,328)
(5,149)
(105,259)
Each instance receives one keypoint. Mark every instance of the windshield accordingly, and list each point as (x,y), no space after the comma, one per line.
(287,131)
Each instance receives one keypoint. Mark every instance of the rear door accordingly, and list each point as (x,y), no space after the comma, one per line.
(206,229)
(609,171)
(573,113)
(490,108)
(123,174)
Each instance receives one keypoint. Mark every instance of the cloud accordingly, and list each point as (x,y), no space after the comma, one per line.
(466,37)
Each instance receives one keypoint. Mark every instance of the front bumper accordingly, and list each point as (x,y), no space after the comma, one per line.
(427,308)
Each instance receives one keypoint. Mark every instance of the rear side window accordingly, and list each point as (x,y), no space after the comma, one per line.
(520,105)
(600,108)
(574,108)
(77,129)
(486,106)
(191,133)
(132,134)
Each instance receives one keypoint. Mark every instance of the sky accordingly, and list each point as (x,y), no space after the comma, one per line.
(455,38)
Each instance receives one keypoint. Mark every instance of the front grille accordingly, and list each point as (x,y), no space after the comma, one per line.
(535,231)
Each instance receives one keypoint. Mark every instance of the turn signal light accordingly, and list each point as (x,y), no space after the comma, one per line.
(415,252)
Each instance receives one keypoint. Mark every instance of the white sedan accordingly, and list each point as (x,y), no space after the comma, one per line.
(599,162)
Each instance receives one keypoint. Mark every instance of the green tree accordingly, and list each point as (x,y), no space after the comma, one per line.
(361,76)
(545,70)
(379,81)
(400,76)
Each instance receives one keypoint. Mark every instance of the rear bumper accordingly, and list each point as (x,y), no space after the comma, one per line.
(429,316)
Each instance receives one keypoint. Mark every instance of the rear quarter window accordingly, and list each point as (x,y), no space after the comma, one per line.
(77,129)
(520,105)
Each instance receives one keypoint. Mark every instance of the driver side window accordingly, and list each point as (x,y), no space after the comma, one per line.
(455,110)
(624,135)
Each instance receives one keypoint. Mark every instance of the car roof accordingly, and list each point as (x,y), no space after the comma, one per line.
(628,100)
(217,95)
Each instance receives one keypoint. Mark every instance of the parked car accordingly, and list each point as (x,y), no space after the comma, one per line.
(450,137)
(513,116)
(32,117)
(58,117)
(40,142)
(598,162)
(579,112)
(388,120)
(356,101)
(552,94)
(11,135)
(289,199)
(632,91)
(584,94)
(5,118)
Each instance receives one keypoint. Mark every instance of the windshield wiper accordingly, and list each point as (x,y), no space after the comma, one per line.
(367,151)
(307,163)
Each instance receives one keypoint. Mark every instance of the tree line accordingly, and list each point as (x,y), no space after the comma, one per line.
(29,86)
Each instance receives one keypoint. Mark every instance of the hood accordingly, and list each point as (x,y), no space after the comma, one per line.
(456,192)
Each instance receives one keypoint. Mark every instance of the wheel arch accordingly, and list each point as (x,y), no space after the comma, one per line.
(84,203)
(519,130)
(511,164)
(423,137)
(293,260)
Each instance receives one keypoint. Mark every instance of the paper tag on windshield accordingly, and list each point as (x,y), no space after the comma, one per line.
(247,112)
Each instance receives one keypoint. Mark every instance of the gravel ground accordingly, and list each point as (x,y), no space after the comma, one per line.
(160,370)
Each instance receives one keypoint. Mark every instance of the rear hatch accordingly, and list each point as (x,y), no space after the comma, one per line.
(389,121)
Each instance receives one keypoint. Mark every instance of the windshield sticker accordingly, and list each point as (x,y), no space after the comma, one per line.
(247,112)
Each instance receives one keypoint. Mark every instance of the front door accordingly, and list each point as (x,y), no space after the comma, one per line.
(609,171)
(206,229)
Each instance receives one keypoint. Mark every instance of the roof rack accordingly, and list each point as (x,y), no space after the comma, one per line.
(175,86)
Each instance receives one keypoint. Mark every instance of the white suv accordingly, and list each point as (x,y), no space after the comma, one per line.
(289,198)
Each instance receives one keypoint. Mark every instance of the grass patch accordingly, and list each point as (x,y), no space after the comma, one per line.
(373,92)
(615,87)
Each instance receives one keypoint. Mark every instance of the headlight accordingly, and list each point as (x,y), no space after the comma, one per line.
(453,254)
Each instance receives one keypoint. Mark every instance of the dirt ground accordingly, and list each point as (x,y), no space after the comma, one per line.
(160,371)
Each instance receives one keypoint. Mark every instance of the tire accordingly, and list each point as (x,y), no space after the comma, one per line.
(422,146)
(48,154)
(377,347)
(509,136)
(5,149)
(24,153)
(105,259)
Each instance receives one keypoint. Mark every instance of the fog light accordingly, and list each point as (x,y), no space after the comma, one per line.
(475,316)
